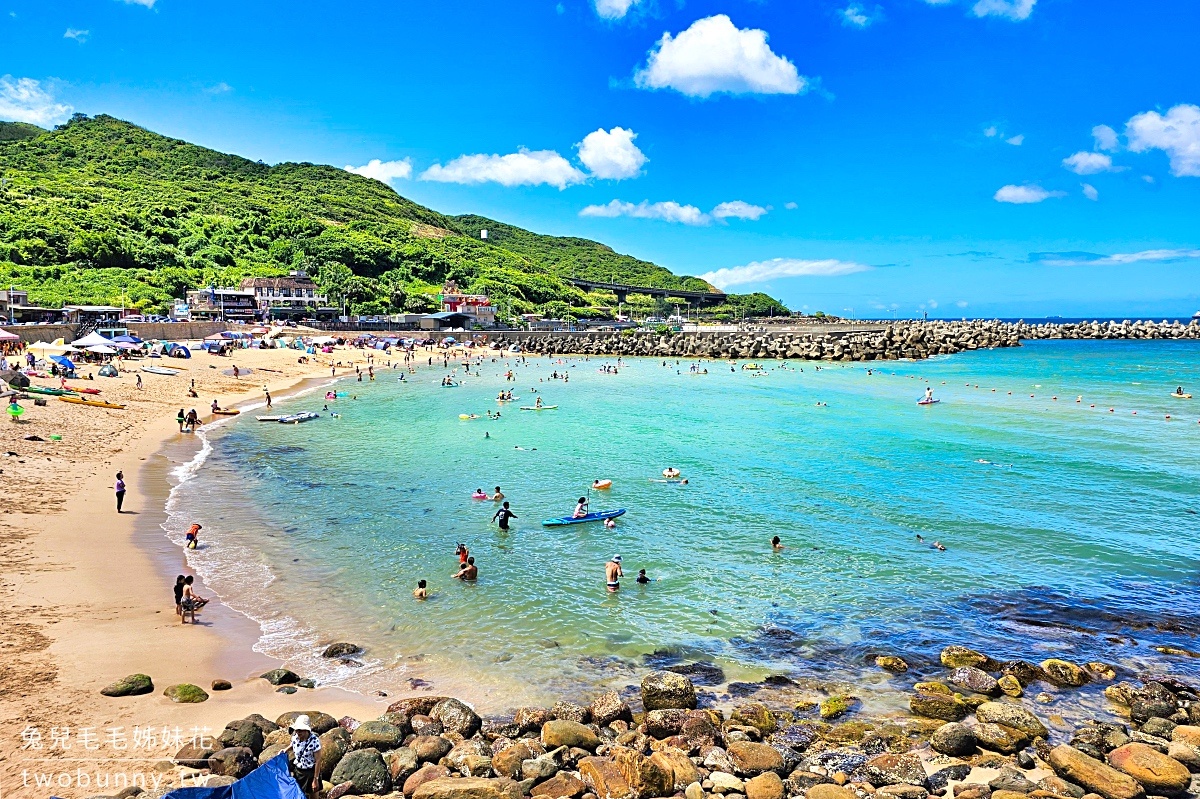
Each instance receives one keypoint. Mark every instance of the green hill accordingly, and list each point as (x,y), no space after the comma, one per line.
(102,211)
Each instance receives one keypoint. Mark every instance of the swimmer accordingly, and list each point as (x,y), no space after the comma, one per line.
(776,544)
(642,578)
(468,572)
(420,592)
(498,496)
(610,524)
(938,546)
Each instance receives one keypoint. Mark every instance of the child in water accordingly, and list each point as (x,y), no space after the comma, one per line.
(642,578)
(420,591)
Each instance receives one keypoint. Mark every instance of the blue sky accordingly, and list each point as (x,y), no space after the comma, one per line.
(961,157)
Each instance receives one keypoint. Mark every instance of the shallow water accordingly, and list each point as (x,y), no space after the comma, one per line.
(1069,530)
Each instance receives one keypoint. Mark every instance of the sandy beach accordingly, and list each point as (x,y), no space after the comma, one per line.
(85,593)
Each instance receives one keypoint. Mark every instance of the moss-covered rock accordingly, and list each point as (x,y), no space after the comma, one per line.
(185,693)
(836,706)
(133,685)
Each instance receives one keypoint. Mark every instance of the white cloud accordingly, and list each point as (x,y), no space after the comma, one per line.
(219,88)
(738,210)
(991,131)
(522,168)
(1106,138)
(383,171)
(669,211)
(760,271)
(1085,163)
(961,303)
(1177,134)
(932,303)
(1015,10)
(714,56)
(1016,141)
(1148,178)
(76,34)
(1023,195)
(1116,259)
(614,9)
(1090,192)
(854,15)
(611,154)
(791,206)
(24,100)
(146,3)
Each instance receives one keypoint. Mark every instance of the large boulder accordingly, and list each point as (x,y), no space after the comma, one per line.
(233,761)
(608,707)
(1159,774)
(561,786)
(381,735)
(340,649)
(195,754)
(426,773)
(366,769)
(1094,775)
(242,733)
(507,761)
(666,689)
(767,785)
(1065,674)
(681,768)
(892,769)
(185,693)
(604,778)
(750,758)
(665,723)
(973,679)
(954,657)
(402,763)
(570,734)
(405,709)
(335,743)
(455,716)
(281,677)
(431,748)
(999,738)
(468,788)
(1011,715)
(645,777)
(133,685)
(953,739)
(320,722)
(946,707)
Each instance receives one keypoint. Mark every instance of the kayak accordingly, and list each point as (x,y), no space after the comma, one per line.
(93,403)
(160,370)
(226,412)
(928,402)
(599,516)
(1182,396)
(53,392)
(78,390)
(297,418)
(514,399)
(537,408)
(468,416)
(268,418)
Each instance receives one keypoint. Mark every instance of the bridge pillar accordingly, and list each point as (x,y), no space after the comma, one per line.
(622,296)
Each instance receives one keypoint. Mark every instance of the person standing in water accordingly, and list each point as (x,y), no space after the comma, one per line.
(420,592)
(613,574)
(503,515)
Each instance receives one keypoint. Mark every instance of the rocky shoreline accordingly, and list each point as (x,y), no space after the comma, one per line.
(971,733)
(909,339)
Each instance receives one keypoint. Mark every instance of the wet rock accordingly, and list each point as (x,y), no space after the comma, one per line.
(1101,671)
(242,733)
(570,734)
(468,788)
(664,689)
(1159,727)
(1065,674)
(281,677)
(938,781)
(766,786)
(796,737)
(954,657)
(366,769)
(1010,685)
(938,706)
(381,735)
(893,663)
(222,685)
(320,722)
(932,687)
(717,759)
(286,689)
(402,763)
(754,714)
(1142,710)
(1157,773)
(341,649)
(1094,775)
(531,719)
(1024,672)
(405,709)
(1011,715)
(569,711)
(561,786)
(836,706)
(306,682)
(456,717)
(833,761)
(953,739)
(753,758)
(195,754)
(233,761)
(891,769)
(185,693)
(700,673)
(1000,738)
(1025,760)
(133,685)
(973,679)
(423,775)
(608,707)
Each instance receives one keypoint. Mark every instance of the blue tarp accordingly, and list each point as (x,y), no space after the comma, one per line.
(269,781)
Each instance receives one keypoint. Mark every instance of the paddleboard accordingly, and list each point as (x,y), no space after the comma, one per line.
(535,408)
(599,516)
(93,403)
(1182,396)
(928,402)
(297,418)
(160,370)
(268,418)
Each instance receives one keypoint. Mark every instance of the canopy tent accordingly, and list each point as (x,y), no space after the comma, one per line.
(122,345)
(320,340)
(44,349)
(63,361)
(93,339)
(6,336)
(101,349)
(128,339)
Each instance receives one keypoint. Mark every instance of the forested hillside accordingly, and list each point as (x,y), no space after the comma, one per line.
(100,211)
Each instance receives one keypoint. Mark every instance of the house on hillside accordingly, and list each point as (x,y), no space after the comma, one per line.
(15,307)
(477,306)
(229,304)
(293,297)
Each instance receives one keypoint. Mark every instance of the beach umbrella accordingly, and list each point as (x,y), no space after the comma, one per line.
(44,349)
(63,361)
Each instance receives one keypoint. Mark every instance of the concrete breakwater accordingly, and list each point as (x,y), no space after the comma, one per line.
(866,342)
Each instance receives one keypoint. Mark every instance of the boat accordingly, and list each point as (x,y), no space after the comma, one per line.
(160,370)
(928,402)
(539,407)
(53,392)
(226,412)
(268,418)
(93,403)
(599,516)
(1182,396)
(297,418)
(79,390)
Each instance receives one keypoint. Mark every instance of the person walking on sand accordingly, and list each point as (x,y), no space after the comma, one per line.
(305,747)
(503,515)
(139,382)
(119,489)
(267,392)
(237,373)
(181,417)
(613,574)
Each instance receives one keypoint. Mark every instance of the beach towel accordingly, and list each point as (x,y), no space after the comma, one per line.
(271,780)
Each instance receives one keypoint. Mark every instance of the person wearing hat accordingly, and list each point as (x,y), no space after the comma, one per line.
(305,747)
(613,573)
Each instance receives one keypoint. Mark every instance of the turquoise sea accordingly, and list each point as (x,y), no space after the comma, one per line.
(1069,530)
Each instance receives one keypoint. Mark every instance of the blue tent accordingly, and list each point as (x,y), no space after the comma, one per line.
(128,339)
(271,780)
(177,351)
(63,361)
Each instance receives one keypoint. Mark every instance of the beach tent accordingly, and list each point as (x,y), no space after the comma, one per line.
(271,780)
(101,349)
(176,350)
(128,339)
(6,336)
(319,340)
(122,345)
(91,340)
(15,379)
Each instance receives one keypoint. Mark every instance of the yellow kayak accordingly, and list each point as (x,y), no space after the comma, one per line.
(1182,396)
(93,403)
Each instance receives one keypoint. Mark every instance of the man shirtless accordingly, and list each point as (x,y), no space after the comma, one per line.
(613,574)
